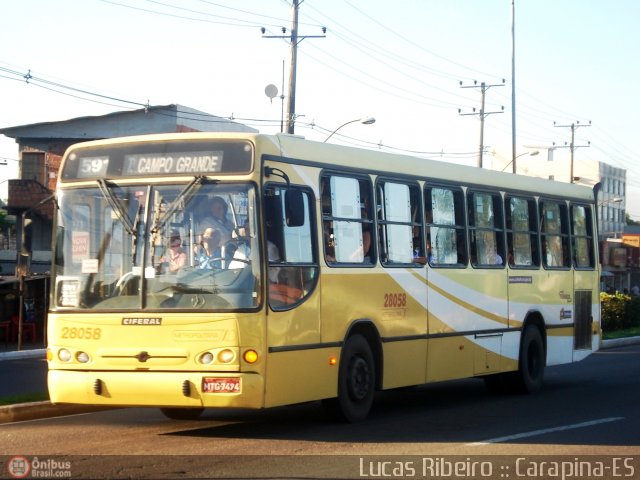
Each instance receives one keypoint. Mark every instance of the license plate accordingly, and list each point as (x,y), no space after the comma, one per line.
(221,385)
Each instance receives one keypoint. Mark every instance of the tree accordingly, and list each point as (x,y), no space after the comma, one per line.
(629,221)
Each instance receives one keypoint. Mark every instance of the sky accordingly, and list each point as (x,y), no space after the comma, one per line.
(400,62)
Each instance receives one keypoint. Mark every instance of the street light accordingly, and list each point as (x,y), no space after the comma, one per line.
(532,154)
(611,200)
(364,121)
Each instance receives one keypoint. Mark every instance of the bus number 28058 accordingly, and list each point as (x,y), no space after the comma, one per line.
(395,300)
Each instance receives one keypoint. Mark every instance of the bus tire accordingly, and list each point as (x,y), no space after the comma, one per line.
(182,413)
(532,361)
(356,381)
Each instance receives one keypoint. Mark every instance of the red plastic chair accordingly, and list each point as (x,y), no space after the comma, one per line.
(5,328)
(28,329)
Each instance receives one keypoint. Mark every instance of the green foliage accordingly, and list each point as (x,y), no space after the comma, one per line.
(619,311)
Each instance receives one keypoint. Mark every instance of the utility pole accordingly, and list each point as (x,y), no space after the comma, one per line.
(513,86)
(572,146)
(294,40)
(482,113)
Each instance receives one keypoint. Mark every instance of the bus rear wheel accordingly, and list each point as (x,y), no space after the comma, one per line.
(182,413)
(356,382)
(532,361)
(530,374)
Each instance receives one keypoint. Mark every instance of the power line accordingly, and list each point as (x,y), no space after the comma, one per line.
(235,22)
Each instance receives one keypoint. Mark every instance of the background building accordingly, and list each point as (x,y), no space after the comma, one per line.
(616,255)
(41,146)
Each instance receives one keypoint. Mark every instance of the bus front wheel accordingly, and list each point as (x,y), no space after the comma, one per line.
(356,381)
(182,413)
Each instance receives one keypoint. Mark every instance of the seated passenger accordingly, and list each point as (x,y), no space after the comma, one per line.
(216,217)
(177,257)
(239,255)
(208,254)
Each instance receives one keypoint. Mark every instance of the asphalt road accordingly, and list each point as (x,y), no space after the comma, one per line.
(585,409)
(23,376)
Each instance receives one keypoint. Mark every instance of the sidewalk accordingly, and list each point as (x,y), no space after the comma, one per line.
(28,351)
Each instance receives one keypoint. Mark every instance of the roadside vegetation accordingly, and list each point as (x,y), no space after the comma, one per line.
(620,315)
(25,398)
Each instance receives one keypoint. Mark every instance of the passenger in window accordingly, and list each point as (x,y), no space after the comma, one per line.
(429,256)
(217,218)
(366,239)
(282,291)
(177,257)
(416,248)
(273,256)
(238,253)
(329,243)
(208,253)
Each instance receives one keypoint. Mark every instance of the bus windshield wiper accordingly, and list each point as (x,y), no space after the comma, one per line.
(116,206)
(183,197)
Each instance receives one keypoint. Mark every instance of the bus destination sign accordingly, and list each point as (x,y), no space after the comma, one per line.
(179,163)
(159,158)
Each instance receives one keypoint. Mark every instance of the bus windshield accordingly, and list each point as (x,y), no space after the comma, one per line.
(188,246)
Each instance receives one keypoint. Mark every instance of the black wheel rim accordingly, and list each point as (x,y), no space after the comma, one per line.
(533,361)
(359,379)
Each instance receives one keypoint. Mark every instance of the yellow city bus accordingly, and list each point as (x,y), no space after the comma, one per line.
(202,270)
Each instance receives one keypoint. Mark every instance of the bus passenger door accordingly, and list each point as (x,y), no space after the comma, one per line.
(295,365)
(488,260)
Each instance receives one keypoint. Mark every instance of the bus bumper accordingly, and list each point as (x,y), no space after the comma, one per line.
(157,389)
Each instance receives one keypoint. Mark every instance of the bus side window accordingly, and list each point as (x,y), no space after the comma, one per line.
(522,232)
(399,224)
(445,224)
(486,230)
(554,235)
(292,268)
(582,236)
(347,220)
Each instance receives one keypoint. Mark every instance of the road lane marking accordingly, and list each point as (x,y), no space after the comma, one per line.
(533,433)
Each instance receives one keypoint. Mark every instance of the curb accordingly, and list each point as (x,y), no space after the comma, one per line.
(36,410)
(620,342)
(16,355)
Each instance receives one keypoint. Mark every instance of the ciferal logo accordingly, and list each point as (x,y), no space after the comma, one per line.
(141,321)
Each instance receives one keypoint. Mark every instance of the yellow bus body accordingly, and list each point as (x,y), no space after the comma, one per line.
(431,324)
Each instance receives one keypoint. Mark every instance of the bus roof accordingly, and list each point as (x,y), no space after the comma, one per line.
(327,155)
(382,163)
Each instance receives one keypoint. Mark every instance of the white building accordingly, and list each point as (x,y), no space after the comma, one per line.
(548,163)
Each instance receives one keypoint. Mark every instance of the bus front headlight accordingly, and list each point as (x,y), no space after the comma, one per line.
(226,356)
(64,355)
(206,358)
(82,357)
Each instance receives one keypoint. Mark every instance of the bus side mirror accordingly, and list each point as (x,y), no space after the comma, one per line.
(294,208)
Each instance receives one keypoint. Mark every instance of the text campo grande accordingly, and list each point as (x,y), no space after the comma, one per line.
(519,467)
(140,164)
